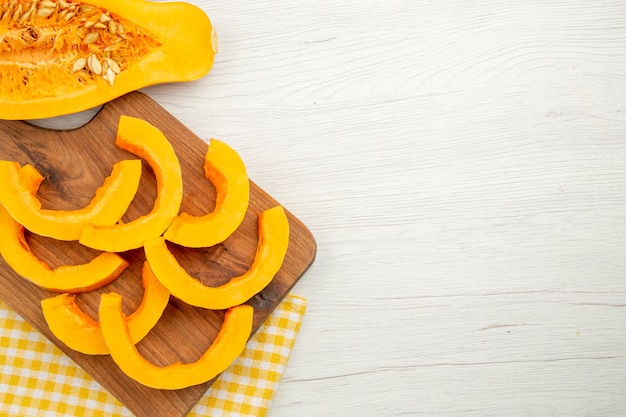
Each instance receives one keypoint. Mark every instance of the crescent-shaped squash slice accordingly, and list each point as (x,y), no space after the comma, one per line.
(107,207)
(82,333)
(148,142)
(101,270)
(272,247)
(61,57)
(227,172)
(31,177)
(230,342)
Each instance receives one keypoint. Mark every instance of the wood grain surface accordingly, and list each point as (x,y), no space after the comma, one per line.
(74,163)
(462,166)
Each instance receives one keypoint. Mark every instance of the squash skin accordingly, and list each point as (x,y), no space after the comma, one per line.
(148,142)
(227,172)
(187,50)
(271,250)
(108,206)
(228,345)
(82,333)
(100,271)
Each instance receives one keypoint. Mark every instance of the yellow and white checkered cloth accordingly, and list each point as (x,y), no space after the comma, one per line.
(37,379)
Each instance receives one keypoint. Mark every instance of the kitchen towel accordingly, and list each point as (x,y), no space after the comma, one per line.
(37,379)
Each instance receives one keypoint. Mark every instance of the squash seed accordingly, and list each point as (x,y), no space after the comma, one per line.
(17,13)
(79,64)
(112,27)
(86,8)
(26,16)
(109,76)
(91,37)
(113,65)
(6,13)
(94,64)
(44,11)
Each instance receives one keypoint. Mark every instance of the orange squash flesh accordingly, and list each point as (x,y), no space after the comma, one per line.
(271,250)
(100,271)
(71,325)
(44,52)
(230,342)
(31,177)
(82,333)
(227,172)
(148,142)
(109,204)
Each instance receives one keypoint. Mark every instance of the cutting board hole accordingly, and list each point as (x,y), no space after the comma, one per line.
(68,122)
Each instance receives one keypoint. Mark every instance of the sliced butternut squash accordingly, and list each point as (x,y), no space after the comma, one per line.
(101,270)
(82,333)
(31,177)
(227,172)
(109,204)
(61,57)
(230,342)
(272,247)
(148,142)
(15,251)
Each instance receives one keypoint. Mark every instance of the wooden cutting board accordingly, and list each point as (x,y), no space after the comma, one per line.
(74,164)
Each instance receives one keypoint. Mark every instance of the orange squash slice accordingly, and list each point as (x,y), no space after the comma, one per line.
(148,142)
(230,342)
(272,247)
(101,270)
(82,333)
(31,177)
(61,57)
(227,172)
(109,204)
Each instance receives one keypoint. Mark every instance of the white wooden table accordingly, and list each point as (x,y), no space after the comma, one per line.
(462,166)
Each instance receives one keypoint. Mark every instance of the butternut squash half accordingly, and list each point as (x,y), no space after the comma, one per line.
(230,342)
(65,56)
(100,271)
(227,172)
(82,333)
(271,249)
(107,207)
(146,141)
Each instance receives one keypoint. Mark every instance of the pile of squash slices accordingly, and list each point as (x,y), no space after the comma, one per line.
(98,226)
